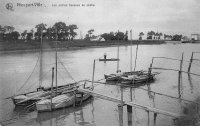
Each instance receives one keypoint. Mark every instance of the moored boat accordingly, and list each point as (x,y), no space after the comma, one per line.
(61,101)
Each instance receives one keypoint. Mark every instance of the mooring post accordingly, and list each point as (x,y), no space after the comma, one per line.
(122,94)
(120,109)
(154,119)
(179,75)
(129,118)
(191,59)
(74,105)
(129,108)
(148,117)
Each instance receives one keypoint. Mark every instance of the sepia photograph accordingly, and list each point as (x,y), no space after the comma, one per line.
(99,63)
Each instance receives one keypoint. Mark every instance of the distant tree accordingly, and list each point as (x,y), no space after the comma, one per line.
(23,34)
(15,35)
(119,35)
(29,36)
(106,36)
(126,36)
(72,33)
(150,34)
(176,37)
(90,32)
(40,29)
(9,29)
(59,29)
(87,37)
(141,35)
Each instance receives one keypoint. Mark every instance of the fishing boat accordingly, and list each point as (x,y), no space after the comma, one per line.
(32,97)
(138,78)
(132,76)
(62,101)
(29,98)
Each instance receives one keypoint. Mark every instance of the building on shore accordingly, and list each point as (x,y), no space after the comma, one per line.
(195,37)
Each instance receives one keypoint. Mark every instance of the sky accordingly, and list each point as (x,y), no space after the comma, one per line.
(166,16)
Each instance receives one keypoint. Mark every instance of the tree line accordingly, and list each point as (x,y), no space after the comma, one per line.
(62,32)
(59,31)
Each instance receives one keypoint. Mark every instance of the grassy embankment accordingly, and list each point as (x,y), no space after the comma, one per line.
(32,45)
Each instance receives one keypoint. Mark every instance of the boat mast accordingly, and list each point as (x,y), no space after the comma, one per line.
(131,51)
(56,60)
(52,86)
(136,56)
(41,57)
(118,52)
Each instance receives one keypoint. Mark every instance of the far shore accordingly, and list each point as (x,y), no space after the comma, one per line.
(20,46)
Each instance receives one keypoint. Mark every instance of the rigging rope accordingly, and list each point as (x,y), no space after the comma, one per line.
(38,80)
(67,70)
(29,76)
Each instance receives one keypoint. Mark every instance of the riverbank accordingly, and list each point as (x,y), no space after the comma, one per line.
(22,46)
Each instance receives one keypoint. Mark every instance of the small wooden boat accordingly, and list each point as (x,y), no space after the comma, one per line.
(113,77)
(141,78)
(32,97)
(61,101)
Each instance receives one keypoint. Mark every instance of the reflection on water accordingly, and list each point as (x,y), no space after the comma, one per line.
(190,82)
(17,68)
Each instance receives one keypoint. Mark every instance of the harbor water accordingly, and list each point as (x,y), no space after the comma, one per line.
(20,73)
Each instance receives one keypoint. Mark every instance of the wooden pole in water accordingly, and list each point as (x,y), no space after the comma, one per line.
(74,96)
(122,95)
(118,53)
(179,75)
(93,75)
(52,86)
(191,59)
(148,118)
(154,119)
(129,108)
(120,109)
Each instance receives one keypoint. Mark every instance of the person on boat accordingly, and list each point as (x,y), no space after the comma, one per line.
(105,55)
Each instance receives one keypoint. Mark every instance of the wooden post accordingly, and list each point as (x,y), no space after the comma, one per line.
(154,119)
(191,59)
(129,108)
(74,105)
(131,93)
(179,76)
(118,53)
(129,118)
(52,86)
(81,99)
(120,109)
(93,75)
(121,94)
(148,117)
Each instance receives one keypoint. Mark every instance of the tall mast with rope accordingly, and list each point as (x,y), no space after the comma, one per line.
(118,52)
(56,60)
(41,58)
(131,51)
(136,56)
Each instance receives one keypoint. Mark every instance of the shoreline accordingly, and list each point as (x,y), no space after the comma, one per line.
(22,47)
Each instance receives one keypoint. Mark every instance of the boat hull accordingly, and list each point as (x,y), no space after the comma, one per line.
(66,101)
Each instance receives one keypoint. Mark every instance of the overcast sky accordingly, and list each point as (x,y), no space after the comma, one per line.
(167,16)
